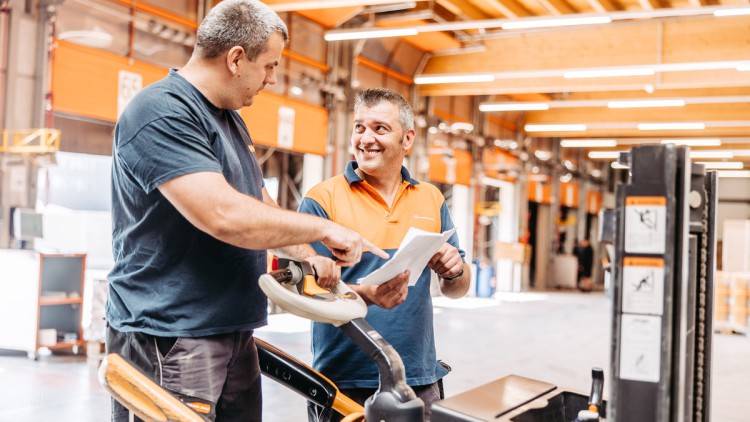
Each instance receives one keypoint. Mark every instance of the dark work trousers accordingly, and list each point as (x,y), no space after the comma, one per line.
(218,376)
(428,393)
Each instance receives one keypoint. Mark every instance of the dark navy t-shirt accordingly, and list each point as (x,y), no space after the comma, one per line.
(170,278)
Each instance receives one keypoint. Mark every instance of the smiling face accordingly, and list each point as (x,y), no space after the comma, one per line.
(253,76)
(378,139)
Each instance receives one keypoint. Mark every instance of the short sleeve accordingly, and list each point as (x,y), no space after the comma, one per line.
(165,149)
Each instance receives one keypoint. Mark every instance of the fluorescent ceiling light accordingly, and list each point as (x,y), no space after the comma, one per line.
(372,33)
(741,152)
(604,155)
(588,143)
(546,23)
(734,173)
(671,126)
(97,38)
(555,128)
(328,4)
(542,154)
(732,12)
(714,142)
(645,103)
(724,165)
(452,79)
(514,106)
(537,177)
(711,154)
(743,67)
(616,165)
(607,73)
(466,127)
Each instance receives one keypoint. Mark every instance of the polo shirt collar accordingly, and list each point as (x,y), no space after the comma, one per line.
(352,176)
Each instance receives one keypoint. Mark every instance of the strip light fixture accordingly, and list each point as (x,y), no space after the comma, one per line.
(697,142)
(555,128)
(604,155)
(452,79)
(514,106)
(370,33)
(732,12)
(328,4)
(612,103)
(521,23)
(588,143)
(712,154)
(722,165)
(734,173)
(646,103)
(608,73)
(549,23)
(671,126)
(602,72)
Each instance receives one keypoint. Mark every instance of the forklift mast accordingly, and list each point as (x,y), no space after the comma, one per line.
(663,272)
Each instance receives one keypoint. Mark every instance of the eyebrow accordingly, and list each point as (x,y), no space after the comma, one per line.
(376,122)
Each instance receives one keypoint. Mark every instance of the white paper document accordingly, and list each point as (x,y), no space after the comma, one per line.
(413,254)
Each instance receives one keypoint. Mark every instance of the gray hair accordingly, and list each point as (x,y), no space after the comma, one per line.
(247,23)
(374,96)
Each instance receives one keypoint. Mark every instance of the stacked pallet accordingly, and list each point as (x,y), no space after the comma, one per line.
(731,302)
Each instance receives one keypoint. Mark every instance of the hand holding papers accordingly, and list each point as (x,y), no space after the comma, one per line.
(414,253)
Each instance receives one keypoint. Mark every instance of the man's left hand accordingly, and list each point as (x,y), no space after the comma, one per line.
(446,262)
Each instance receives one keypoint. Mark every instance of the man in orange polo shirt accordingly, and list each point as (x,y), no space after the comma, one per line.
(377,197)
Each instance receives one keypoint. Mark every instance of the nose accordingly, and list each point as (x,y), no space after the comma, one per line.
(368,135)
(270,77)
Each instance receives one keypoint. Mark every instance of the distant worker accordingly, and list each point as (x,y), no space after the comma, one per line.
(585,254)
(485,278)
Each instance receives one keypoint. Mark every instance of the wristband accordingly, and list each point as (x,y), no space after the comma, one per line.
(460,273)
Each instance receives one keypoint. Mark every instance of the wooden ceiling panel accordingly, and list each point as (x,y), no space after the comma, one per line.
(330,18)
(528,65)
(428,41)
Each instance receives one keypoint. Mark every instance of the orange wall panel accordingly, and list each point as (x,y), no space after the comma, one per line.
(569,194)
(85,83)
(85,80)
(593,202)
(310,123)
(461,175)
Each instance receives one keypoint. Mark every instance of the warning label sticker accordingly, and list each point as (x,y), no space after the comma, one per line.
(643,285)
(640,358)
(645,224)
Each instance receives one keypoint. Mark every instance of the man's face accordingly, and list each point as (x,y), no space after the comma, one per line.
(378,139)
(256,75)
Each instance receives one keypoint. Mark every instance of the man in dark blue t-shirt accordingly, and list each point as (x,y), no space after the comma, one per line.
(192,221)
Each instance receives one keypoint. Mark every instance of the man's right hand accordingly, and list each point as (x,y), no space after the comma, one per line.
(347,245)
(387,295)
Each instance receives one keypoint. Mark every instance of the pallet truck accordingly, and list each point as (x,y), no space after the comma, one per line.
(512,398)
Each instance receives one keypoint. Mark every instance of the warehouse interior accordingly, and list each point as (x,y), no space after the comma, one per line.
(527,113)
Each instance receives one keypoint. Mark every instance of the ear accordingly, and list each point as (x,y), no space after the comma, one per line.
(235,55)
(409,139)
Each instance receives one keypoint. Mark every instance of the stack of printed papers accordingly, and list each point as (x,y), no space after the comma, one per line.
(413,254)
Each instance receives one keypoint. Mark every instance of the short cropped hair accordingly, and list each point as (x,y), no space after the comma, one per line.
(374,96)
(247,23)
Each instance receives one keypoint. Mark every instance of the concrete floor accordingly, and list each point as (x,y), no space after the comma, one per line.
(554,337)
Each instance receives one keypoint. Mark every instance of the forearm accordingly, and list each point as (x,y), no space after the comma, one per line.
(255,225)
(296,252)
(215,207)
(457,288)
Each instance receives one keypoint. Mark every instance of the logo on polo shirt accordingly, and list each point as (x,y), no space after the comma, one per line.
(419,217)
